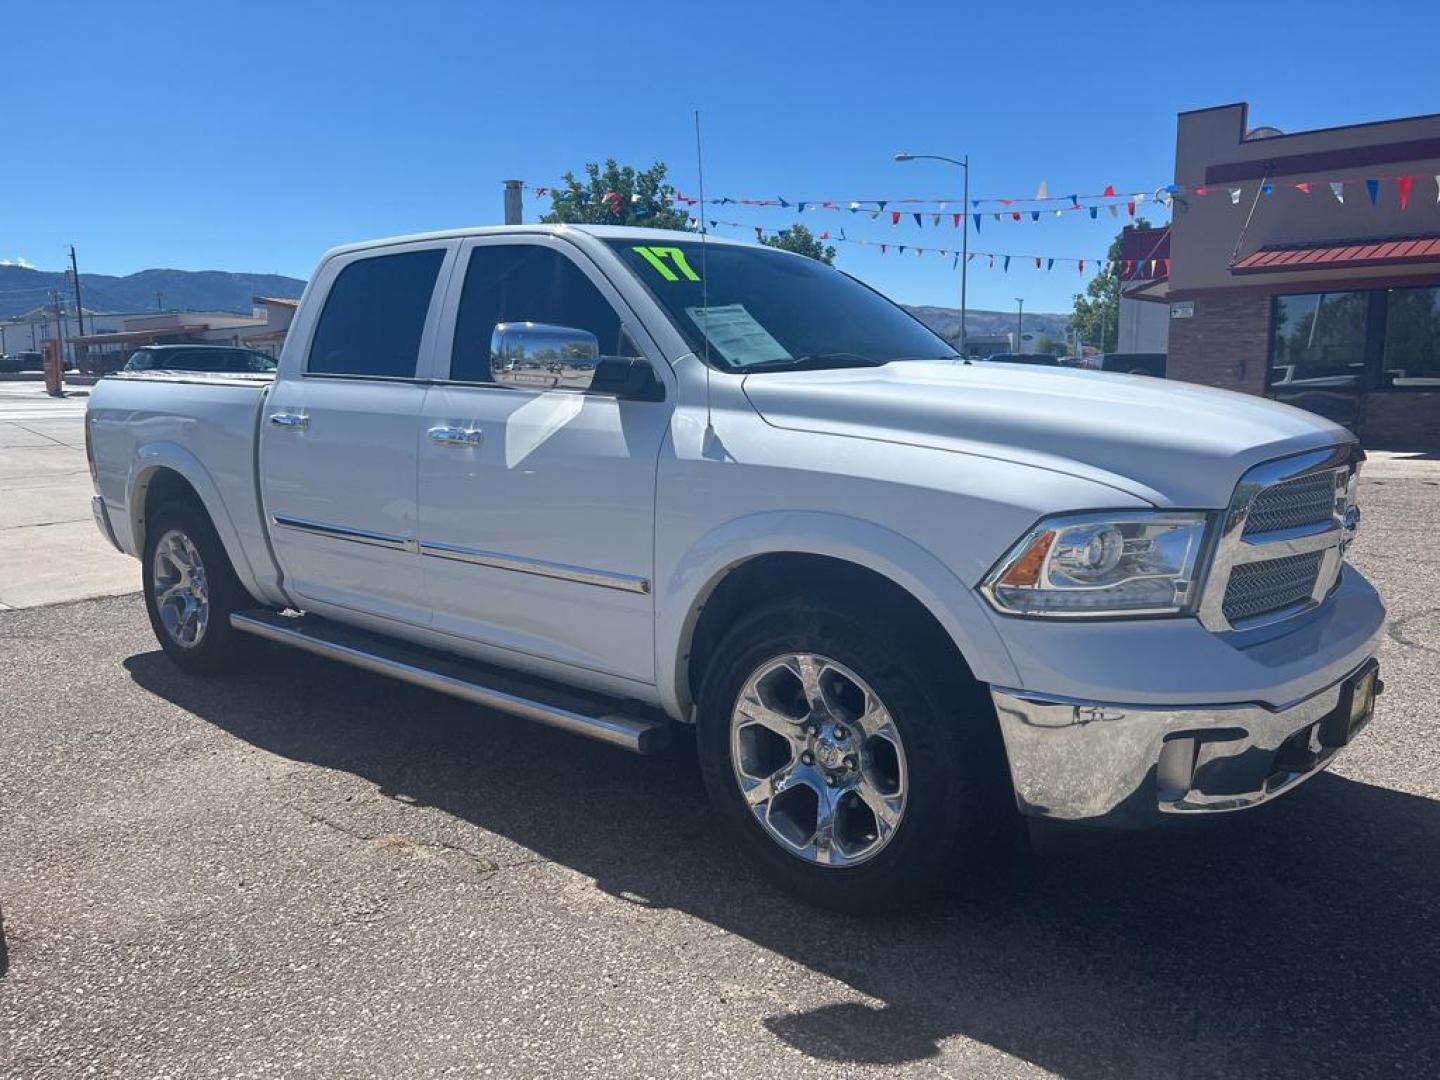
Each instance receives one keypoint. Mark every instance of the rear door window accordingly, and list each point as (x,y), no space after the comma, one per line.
(374,316)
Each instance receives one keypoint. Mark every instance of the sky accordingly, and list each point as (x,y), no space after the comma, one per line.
(255,136)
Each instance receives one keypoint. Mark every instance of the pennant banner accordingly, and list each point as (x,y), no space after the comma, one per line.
(885,247)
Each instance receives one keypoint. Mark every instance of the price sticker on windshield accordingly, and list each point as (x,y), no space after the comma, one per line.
(669,262)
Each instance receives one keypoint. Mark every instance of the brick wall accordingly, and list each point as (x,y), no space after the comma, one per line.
(1401,421)
(1225,343)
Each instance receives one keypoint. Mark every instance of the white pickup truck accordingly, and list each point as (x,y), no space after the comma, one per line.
(625,481)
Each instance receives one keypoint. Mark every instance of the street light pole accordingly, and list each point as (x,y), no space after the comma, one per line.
(1019,324)
(964,230)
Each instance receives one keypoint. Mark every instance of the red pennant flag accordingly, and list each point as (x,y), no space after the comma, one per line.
(1015,214)
(1403,183)
(957,219)
(894,217)
(1303,186)
(1109,191)
(1082,266)
(1037,262)
(1167,266)
(1202,191)
(1008,202)
(1130,207)
(824,236)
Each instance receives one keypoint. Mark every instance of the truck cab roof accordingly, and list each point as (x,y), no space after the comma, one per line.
(599,232)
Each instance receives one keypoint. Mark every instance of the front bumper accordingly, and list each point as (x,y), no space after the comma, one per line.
(102,522)
(1073,759)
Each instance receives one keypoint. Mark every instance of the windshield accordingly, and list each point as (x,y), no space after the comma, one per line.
(764,309)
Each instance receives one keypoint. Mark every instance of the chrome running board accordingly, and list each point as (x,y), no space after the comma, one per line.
(593,717)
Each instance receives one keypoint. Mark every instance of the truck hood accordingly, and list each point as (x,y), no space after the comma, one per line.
(1170,443)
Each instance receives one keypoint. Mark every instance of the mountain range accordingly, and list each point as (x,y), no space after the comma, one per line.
(23,289)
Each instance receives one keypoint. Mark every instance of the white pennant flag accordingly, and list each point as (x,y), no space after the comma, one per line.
(1437,189)
(1234,196)
(935,219)
(1043,191)
(1338,190)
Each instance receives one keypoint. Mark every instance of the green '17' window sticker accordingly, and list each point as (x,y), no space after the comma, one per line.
(666,261)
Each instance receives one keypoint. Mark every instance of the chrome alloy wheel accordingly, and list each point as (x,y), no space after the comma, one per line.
(179,589)
(818,759)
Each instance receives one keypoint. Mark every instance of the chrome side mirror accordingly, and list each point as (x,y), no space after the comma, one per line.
(537,356)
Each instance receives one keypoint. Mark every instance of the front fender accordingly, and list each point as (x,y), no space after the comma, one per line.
(152,457)
(695,574)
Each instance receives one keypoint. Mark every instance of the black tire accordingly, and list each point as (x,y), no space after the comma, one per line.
(219,647)
(959,799)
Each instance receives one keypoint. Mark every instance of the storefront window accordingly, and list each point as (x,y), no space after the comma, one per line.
(1412,339)
(1319,340)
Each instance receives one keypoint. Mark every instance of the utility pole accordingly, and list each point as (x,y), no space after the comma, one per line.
(75,277)
(1020,324)
(159,296)
(514,208)
(964,232)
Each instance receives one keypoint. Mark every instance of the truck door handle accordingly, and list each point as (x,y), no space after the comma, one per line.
(456,436)
(290,419)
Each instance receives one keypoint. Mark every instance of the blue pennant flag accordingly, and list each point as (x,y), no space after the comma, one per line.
(1075,201)
(918,220)
(800,208)
(977,221)
(783,203)
(1267,190)
(1034,215)
(1372,188)
(902,249)
(1007,264)
(880,203)
(1094,212)
(955,262)
(1049,264)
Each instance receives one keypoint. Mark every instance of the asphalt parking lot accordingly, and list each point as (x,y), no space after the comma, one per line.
(308,870)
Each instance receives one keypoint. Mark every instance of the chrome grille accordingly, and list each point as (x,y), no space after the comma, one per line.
(1306,500)
(1282,540)
(1259,588)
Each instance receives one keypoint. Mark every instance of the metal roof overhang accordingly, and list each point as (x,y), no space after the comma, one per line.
(1343,256)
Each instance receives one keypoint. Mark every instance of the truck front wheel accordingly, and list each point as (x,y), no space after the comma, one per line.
(190,589)
(855,773)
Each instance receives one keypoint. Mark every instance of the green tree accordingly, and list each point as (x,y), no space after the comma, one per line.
(617,195)
(802,241)
(1097,313)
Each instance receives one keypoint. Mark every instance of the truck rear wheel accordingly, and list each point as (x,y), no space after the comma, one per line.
(852,771)
(191,589)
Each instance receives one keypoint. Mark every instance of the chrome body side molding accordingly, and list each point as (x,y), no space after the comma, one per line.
(560,571)
(340,532)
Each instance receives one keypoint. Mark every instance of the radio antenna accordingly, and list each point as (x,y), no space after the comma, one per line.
(704,281)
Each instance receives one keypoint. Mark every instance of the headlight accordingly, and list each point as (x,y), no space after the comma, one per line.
(1101,564)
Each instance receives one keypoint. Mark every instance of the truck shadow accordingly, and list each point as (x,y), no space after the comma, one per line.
(1299,939)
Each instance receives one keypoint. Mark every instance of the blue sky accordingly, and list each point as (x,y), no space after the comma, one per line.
(254,136)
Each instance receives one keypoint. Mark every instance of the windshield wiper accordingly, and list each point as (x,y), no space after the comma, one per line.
(816,362)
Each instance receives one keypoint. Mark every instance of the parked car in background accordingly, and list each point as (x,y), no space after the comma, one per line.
(1128,363)
(624,483)
(23,361)
(215,359)
(1040,359)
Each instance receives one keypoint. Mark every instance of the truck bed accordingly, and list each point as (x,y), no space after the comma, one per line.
(202,426)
